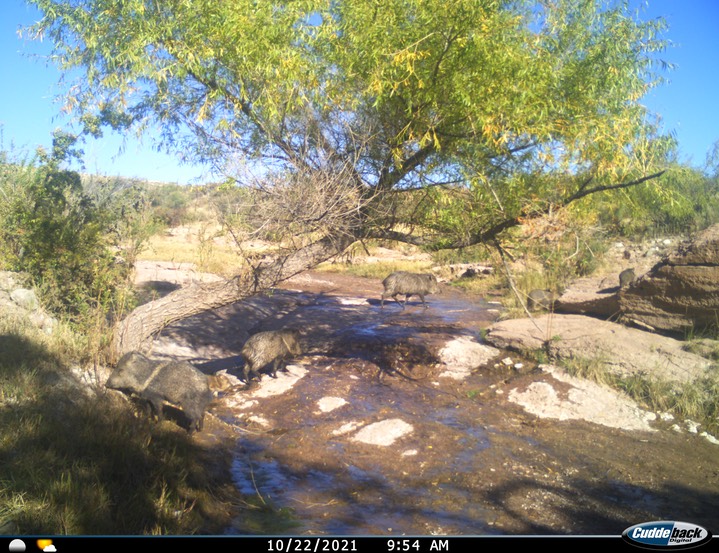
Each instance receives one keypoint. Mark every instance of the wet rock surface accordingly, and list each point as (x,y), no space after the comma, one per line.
(406,422)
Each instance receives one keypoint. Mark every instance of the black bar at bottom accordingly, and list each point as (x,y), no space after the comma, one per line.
(304,544)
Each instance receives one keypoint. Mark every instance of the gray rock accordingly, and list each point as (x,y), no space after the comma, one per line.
(622,350)
(25,298)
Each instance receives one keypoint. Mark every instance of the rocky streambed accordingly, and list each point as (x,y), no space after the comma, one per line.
(409,422)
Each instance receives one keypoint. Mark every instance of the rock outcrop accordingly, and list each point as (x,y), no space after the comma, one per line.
(679,294)
(622,350)
(16,300)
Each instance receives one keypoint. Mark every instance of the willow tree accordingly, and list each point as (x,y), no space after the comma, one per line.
(475,113)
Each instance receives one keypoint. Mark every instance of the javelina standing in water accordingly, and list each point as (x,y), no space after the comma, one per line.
(178,382)
(540,299)
(409,284)
(271,346)
(626,277)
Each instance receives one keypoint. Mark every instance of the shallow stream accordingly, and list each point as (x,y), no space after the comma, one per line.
(368,433)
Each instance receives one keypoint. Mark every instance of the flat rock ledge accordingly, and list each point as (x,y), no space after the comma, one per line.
(624,351)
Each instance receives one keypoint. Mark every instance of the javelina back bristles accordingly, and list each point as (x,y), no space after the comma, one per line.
(409,284)
(269,347)
(178,383)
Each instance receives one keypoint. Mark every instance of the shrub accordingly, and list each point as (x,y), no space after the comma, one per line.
(53,231)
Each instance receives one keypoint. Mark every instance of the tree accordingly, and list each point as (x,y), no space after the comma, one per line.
(455,118)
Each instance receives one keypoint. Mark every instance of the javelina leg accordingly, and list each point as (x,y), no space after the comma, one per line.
(423,302)
(250,373)
(275,365)
(283,366)
(155,407)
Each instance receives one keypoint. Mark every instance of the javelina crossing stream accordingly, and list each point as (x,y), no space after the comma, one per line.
(409,284)
(178,382)
(271,346)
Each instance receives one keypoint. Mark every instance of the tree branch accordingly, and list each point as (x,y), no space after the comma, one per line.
(492,233)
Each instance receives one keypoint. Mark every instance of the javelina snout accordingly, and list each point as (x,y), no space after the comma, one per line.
(178,383)
(409,284)
(270,346)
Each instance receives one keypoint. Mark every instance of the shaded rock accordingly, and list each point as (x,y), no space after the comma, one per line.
(623,350)
(681,292)
(589,296)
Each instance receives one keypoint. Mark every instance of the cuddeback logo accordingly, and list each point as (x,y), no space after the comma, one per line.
(666,534)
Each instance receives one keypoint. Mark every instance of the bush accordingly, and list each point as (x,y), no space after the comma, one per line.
(53,231)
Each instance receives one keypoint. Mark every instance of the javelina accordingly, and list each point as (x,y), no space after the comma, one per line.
(540,299)
(178,382)
(409,284)
(270,346)
(626,277)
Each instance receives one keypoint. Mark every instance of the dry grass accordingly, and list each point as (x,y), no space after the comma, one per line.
(203,244)
(83,463)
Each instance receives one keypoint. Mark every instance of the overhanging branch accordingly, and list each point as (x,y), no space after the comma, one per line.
(492,234)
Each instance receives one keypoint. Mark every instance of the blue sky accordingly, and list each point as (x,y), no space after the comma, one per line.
(28,112)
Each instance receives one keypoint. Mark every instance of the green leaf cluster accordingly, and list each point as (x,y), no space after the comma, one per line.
(496,108)
(54,231)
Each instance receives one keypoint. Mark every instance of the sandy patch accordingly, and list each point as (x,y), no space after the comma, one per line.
(327,404)
(383,433)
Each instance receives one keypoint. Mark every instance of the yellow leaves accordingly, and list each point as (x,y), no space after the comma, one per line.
(408,59)
(202,114)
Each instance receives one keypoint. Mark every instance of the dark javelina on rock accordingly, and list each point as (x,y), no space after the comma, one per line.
(178,382)
(540,299)
(409,284)
(271,346)
(626,277)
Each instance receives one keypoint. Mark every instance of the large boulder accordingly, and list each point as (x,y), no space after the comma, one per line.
(590,296)
(624,351)
(680,294)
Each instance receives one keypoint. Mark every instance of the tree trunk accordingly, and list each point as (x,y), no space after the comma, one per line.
(133,332)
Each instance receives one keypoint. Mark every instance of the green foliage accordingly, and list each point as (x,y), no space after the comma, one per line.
(496,109)
(686,200)
(170,203)
(58,234)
